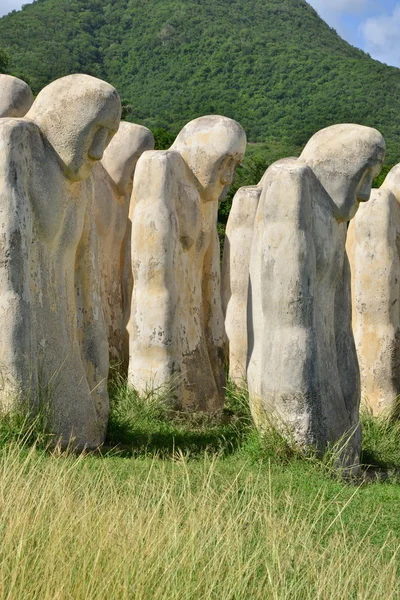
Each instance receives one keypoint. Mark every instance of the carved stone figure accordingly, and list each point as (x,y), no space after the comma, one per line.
(303,368)
(177,326)
(373,246)
(113,177)
(48,266)
(16,96)
(235,276)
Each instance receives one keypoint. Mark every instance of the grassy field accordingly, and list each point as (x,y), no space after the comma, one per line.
(190,507)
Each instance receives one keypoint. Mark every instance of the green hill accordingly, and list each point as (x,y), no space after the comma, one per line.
(273,65)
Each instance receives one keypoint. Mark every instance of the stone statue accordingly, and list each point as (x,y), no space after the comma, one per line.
(16,96)
(303,370)
(373,246)
(176,331)
(235,276)
(48,273)
(113,177)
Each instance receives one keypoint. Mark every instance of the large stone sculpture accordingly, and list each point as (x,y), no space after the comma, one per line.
(48,266)
(16,96)
(303,368)
(373,246)
(235,276)
(113,178)
(177,327)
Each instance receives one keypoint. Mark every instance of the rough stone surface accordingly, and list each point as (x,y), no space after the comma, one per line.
(235,277)
(113,177)
(373,246)
(16,96)
(303,368)
(177,326)
(54,351)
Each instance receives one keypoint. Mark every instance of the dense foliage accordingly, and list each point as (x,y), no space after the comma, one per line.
(273,65)
(3,61)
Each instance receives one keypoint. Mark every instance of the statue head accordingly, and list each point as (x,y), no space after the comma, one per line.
(212,147)
(78,115)
(392,182)
(346,158)
(123,152)
(15,97)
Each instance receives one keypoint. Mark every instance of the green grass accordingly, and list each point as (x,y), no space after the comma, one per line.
(191,507)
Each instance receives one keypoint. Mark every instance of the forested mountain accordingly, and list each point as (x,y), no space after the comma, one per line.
(273,65)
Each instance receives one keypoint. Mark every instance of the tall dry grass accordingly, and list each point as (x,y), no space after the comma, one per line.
(70,528)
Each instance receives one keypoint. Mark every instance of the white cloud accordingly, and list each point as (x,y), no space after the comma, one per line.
(381,37)
(7,6)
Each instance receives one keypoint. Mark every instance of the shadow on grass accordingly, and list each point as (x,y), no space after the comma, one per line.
(381,445)
(142,426)
(166,444)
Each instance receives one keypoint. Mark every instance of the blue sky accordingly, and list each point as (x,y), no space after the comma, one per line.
(373,25)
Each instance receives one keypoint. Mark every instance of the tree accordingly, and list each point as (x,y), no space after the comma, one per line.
(163,138)
(4,61)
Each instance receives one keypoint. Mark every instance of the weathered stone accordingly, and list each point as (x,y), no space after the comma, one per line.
(235,277)
(16,96)
(113,177)
(373,246)
(48,260)
(303,368)
(177,326)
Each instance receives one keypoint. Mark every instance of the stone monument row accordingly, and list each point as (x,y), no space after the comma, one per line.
(110,252)
(373,245)
(177,333)
(303,370)
(235,277)
(54,350)
(113,181)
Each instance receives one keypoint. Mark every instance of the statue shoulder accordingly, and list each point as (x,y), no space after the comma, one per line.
(159,173)
(378,215)
(293,169)
(19,139)
(244,207)
(17,130)
(159,160)
(289,186)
